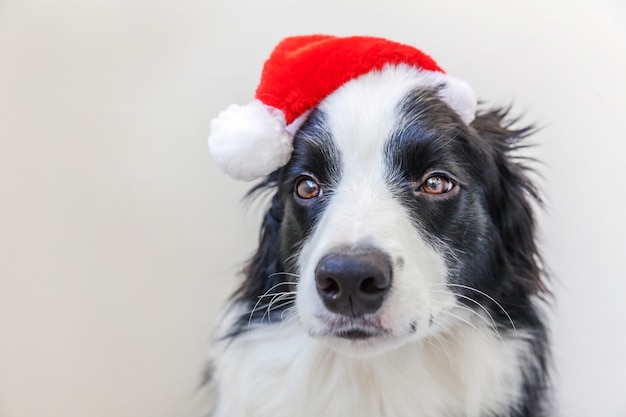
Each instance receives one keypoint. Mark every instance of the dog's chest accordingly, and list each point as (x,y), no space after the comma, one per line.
(280,372)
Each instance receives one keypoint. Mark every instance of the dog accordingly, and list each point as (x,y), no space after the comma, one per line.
(397,273)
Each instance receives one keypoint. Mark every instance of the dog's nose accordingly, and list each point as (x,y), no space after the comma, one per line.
(353,283)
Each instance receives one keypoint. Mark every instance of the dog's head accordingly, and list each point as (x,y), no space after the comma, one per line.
(393,220)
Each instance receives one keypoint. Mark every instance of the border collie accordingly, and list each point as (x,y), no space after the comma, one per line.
(397,273)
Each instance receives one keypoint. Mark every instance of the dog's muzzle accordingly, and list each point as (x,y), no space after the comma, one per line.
(353,282)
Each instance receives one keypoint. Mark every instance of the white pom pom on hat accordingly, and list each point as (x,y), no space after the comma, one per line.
(251,141)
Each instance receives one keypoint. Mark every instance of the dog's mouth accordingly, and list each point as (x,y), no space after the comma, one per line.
(361,336)
(357,334)
(354,329)
(358,337)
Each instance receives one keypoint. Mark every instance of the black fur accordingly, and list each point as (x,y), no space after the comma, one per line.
(488,227)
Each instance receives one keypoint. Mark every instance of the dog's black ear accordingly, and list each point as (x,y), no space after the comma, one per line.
(511,197)
(260,273)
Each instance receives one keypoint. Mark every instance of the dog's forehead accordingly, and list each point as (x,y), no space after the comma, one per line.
(386,112)
(363,113)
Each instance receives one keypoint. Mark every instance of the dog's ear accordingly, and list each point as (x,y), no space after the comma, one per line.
(260,273)
(511,197)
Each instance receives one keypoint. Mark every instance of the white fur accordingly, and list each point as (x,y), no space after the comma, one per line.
(280,371)
(460,97)
(456,93)
(250,141)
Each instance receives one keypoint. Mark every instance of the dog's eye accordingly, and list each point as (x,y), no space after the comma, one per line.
(307,188)
(437,184)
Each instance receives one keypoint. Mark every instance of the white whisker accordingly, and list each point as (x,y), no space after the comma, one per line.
(485,295)
(487,339)
(266,294)
(492,324)
(287,311)
(293,319)
(289,274)
(263,306)
(272,306)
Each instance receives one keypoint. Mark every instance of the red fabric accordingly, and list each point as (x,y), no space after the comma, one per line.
(303,70)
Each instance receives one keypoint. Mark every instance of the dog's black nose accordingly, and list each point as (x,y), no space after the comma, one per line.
(353,283)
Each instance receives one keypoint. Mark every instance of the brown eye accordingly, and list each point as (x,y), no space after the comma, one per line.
(307,188)
(436,184)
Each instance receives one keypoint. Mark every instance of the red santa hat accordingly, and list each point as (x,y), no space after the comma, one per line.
(253,140)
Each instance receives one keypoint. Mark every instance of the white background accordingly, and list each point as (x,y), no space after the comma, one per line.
(119,238)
